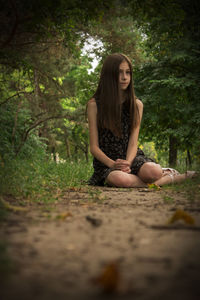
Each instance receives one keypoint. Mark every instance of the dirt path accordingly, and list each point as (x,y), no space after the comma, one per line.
(58,250)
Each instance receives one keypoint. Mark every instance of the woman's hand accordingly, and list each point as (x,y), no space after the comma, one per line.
(122,165)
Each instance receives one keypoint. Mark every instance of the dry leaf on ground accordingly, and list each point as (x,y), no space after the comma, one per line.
(181,215)
(109,278)
(64,215)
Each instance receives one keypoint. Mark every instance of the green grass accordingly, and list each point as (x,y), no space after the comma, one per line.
(41,180)
(190,188)
(168,199)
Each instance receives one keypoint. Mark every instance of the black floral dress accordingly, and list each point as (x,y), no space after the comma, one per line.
(115,147)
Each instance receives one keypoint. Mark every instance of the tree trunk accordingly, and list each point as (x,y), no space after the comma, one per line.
(172,151)
(67,147)
(189,159)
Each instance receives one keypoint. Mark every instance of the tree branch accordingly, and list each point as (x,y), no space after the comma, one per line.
(35,125)
(17,94)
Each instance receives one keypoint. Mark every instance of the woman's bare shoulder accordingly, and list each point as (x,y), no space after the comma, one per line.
(91,105)
(139,103)
(91,102)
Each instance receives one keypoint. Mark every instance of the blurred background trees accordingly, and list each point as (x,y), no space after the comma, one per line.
(47,74)
(169,77)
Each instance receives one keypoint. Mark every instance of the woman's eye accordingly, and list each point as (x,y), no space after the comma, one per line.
(122,72)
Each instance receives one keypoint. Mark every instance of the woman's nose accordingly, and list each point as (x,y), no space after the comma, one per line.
(123,75)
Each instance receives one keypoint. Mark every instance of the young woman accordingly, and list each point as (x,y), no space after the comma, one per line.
(114,117)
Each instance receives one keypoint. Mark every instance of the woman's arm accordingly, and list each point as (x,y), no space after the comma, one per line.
(133,139)
(93,135)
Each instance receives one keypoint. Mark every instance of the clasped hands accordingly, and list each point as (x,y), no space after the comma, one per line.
(122,165)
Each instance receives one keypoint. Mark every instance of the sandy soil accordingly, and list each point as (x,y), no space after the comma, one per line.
(61,250)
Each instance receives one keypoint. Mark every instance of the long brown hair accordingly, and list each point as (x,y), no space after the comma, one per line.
(109,96)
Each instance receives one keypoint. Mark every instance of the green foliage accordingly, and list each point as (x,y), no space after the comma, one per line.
(40,43)
(168,79)
(117,33)
(32,108)
(29,26)
(12,127)
(84,83)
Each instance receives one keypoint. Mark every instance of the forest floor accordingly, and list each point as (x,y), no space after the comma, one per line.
(103,243)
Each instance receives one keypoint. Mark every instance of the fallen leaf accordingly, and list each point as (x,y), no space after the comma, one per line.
(181,215)
(64,215)
(109,278)
(153,186)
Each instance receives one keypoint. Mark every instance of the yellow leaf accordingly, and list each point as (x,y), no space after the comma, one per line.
(64,215)
(181,215)
(153,186)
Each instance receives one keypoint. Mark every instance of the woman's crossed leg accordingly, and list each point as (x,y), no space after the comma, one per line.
(148,173)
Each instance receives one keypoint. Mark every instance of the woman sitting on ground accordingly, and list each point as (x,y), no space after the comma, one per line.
(114,117)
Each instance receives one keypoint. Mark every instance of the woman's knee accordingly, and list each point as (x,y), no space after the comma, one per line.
(150,172)
(119,179)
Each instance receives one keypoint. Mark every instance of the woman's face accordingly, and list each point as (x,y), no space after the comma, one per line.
(124,75)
